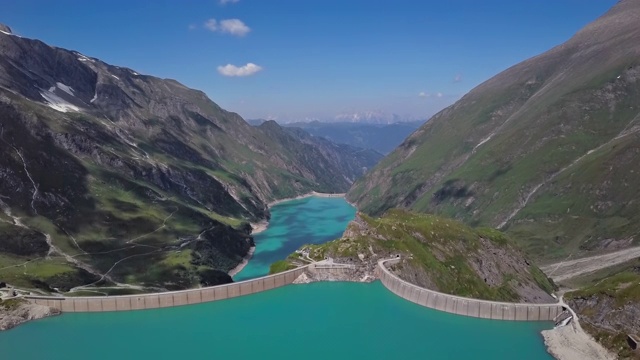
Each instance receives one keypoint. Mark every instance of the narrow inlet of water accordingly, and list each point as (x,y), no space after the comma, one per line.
(312,220)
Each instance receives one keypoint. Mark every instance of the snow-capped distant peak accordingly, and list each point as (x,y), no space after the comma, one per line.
(372,117)
(83,58)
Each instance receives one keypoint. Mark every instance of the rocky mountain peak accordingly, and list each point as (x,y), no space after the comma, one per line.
(5,28)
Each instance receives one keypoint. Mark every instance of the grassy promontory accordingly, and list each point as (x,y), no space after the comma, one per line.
(439,254)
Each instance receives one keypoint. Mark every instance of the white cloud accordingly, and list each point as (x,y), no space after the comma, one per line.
(224,2)
(457,78)
(234,27)
(193,26)
(230,26)
(232,70)
(423,94)
(439,94)
(211,24)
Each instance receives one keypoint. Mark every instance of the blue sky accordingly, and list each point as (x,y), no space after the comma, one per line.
(311,58)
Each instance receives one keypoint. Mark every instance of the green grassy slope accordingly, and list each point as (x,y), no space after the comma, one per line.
(544,150)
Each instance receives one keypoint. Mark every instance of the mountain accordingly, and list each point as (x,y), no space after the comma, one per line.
(372,117)
(547,150)
(339,164)
(256,122)
(382,138)
(116,178)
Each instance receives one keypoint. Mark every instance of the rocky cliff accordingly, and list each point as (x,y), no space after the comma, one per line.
(609,308)
(14,312)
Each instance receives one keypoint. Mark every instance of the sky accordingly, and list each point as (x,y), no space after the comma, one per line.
(300,60)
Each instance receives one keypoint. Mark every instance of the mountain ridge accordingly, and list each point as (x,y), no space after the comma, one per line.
(133,182)
(490,158)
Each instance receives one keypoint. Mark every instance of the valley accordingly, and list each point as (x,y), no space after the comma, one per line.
(116,182)
(518,200)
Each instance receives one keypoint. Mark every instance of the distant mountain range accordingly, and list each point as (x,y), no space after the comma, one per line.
(382,138)
(374,117)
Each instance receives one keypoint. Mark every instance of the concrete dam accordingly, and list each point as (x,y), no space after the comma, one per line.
(485,309)
(425,297)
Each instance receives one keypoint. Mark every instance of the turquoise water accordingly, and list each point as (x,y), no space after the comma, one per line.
(314,321)
(329,320)
(312,220)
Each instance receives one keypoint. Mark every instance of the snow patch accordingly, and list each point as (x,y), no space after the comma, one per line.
(135,73)
(94,98)
(83,58)
(65,88)
(115,77)
(57,103)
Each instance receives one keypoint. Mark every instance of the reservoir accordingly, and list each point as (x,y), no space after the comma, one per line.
(311,220)
(328,320)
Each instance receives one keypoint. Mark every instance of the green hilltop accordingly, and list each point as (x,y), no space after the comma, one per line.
(440,254)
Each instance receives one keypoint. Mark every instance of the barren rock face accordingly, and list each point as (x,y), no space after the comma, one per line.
(22,312)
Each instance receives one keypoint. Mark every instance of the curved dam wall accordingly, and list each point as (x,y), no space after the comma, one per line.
(464,306)
(168,299)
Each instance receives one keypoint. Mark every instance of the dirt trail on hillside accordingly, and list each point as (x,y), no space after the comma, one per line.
(569,269)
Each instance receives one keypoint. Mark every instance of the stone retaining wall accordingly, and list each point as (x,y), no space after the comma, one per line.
(167,299)
(464,306)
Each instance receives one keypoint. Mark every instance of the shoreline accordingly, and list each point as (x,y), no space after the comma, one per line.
(257,228)
(245,260)
(304,196)
(570,342)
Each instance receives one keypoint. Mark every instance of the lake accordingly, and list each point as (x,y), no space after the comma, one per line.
(329,320)
(312,220)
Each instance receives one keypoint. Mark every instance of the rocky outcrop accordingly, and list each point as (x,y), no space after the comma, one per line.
(607,313)
(14,312)
(609,308)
